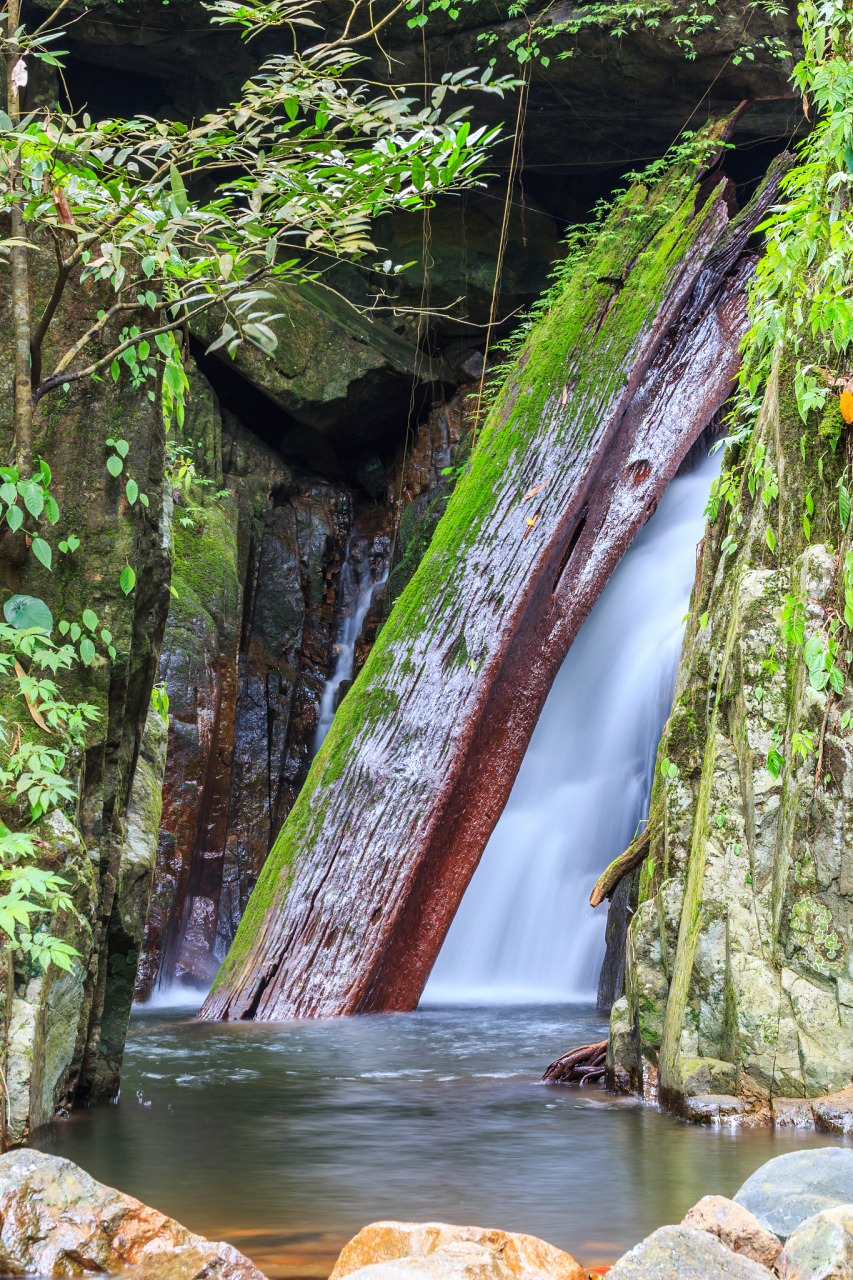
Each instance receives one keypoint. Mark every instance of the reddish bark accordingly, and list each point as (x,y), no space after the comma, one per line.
(362,885)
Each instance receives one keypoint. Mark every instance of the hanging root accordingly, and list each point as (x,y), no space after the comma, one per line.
(578,1065)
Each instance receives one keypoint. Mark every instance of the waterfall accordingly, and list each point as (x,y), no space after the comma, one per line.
(525,931)
(363,573)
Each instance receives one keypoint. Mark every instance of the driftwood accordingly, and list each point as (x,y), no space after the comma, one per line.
(605,885)
(614,385)
(578,1065)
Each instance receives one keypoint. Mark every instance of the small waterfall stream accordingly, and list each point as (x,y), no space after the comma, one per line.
(363,573)
(525,931)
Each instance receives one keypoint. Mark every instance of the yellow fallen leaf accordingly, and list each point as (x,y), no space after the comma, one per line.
(531,493)
(531,520)
(32,707)
(564,398)
(847,406)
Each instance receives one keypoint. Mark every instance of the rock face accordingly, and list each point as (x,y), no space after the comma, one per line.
(58,1221)
(247,649)
(793,1187)
(66,1031)
(683,1253)
(436,1251)
(820,1247)
(739,953)
(353,903)
(737,1228)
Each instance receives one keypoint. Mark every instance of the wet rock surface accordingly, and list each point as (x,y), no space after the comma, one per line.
(737,1228)
(683,1253)
(821,1247)
(793,1187)
(437,1251)
(58,1221)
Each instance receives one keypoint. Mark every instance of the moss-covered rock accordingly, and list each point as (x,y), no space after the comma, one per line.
(747,997)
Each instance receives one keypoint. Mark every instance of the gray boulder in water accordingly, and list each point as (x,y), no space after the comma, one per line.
(683,1253)
(790,1188)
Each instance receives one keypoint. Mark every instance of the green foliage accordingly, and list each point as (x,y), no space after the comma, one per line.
(27,893)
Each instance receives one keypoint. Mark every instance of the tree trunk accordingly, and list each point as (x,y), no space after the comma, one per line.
(20,282)
(636,355)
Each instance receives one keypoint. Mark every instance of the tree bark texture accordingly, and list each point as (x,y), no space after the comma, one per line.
(634,358)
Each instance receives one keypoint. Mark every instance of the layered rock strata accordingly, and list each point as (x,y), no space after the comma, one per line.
(636,355)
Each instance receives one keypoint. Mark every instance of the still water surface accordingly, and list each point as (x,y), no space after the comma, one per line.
(286,1139)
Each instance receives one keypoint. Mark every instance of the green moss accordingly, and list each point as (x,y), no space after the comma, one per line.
(606,306)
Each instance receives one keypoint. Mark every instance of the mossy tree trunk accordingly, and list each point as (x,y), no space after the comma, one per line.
(635,357)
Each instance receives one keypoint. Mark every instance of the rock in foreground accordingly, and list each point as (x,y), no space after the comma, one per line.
(790,1188)
(683,1253)
(821,1248)
(436,1251)
(736,1228)
(58,1221)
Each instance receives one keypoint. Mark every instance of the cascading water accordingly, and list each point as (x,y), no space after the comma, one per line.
(363,573)
(525,931)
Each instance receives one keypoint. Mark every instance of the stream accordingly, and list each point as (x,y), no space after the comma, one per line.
(285,1139)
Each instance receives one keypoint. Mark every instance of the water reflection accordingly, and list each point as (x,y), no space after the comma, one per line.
(286,1139)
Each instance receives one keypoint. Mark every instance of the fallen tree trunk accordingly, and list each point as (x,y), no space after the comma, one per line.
(632,362)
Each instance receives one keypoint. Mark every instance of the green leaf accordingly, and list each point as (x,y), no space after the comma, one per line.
(122,447)
(9,493)
(770,538)
(106,636)
(42,551)
(28,612)
(111,651)
(115,466)
(179,191)
(774,763)
(127,579)
(90,619)
(15,518)
(843,505)
(115,370)
(132,491)
(73,542)
(64,628)
(87,651)
(33,498)
(76,631)
(836,679)
(143,498)
(51,508)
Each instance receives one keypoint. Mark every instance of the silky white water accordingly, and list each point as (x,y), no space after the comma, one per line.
(357,588)
(525,931)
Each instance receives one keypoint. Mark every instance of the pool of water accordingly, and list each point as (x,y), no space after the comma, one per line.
(286,1139)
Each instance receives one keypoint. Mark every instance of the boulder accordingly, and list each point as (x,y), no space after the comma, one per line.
(58,1221)
(737,1228)
(821,1248)
(705,1108)
(834,1113)
(787,1190)
(436,1251)
(205,1261)
(683,1253)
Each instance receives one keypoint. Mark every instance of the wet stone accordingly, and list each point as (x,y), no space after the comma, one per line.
(438,1251)
(683,1253)
(787,1190)
(705,1108)
(736,1228)
(821,1248)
